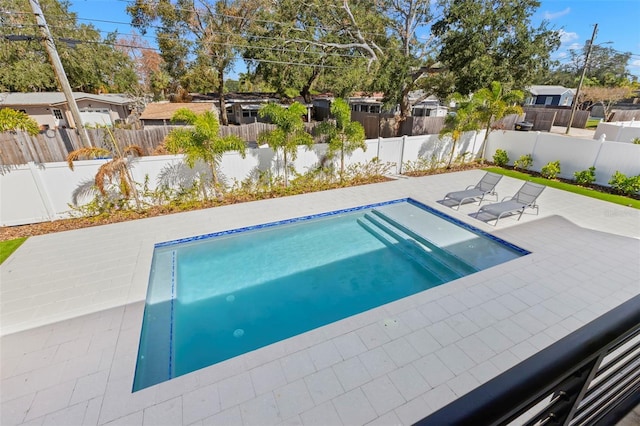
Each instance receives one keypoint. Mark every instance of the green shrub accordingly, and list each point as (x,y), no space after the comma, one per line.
(586,177)
(524,162)
(635,141)
(625,185)
(551,170)
(500,158)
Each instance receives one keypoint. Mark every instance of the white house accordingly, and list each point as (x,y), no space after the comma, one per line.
(50,109)
(550,95)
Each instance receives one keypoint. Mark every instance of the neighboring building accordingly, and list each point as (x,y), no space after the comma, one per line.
(160,113)
(242,108)
(322,106)
(550,95)
(50,109)
(429,107)
(371,103)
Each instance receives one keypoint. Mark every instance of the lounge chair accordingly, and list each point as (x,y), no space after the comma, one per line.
(472,193)
(523,199)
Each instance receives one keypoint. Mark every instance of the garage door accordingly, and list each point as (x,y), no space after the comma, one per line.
(95,117)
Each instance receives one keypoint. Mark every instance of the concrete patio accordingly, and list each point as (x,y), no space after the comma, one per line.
(72,305)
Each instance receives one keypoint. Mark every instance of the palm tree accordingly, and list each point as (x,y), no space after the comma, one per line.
(12,120)
(116,171)
(201,141)
(289,131)
(465,119)
(493,104)
(344,136)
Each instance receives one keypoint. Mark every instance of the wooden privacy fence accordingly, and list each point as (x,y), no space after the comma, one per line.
(387,125)
(542,119)
(562,116)
(54,145)
(625,115)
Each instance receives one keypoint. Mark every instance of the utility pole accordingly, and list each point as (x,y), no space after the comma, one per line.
(574,106)
(58,70)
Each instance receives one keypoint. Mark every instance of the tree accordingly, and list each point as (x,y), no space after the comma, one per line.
(408,65)
(147,62)
(12,120)
(464,119)
(301,44)
(344,136)
(116,171)
(494,103)
(289,131)
(91,63)
(605,96)
(494,40)
(217,29)
(202,141)
(606,67)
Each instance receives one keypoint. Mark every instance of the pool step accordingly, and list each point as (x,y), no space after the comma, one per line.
(450,260)
(397,240)
(407,251)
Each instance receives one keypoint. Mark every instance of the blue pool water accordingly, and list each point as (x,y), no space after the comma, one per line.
(214,297)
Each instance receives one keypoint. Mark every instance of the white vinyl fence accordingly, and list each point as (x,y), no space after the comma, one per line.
(618,131)
(41,192)
(574,154)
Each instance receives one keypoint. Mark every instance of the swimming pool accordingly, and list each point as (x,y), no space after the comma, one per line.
(213,297)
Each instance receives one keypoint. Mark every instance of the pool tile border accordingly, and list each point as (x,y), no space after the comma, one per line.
(342,211)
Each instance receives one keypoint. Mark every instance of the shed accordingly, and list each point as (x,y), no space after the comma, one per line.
(160,113)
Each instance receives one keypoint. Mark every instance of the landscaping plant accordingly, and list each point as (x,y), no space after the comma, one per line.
(585,177)
(289,131)
(551,170)
(114,180)
(625,185)
(201,142)
(524,162)
(343,135)
(465,119)
(12,120)
(494,103)
(500,158)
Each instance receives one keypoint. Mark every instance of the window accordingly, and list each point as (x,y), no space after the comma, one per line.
(57,114)
(375,109)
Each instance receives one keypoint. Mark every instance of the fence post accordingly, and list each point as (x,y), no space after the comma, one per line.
(404,140)
(535,144)
(620,129)
(602,141)
(44,195)
(473,147)
(378,152)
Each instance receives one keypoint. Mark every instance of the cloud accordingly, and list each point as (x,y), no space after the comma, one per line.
(566,37)
(554,15)
(574,46)
(635,63)
(561,55)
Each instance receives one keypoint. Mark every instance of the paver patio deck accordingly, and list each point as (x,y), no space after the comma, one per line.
(72,304)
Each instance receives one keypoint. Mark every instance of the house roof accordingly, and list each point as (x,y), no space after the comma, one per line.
(57,98)
(166,110)
(549,90)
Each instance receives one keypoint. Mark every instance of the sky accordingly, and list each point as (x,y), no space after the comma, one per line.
(618,23)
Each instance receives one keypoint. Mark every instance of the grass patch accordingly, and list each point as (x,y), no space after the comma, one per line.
(8,247)
(592,123)
(576,189)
